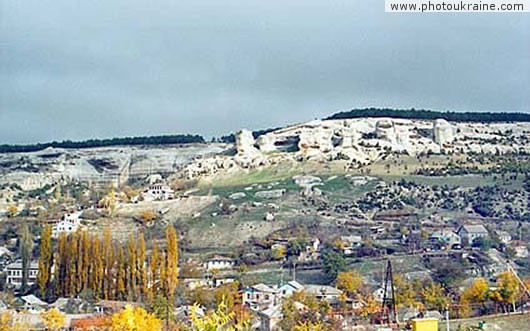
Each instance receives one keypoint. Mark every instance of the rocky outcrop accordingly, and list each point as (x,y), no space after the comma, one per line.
(314,143)
(248,156)
(385,130)
(443,132)
(266,143)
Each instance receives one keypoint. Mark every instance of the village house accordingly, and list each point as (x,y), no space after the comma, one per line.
(31,303)
(219,262)
(324,292)
(350,243)
(290,288)
(521,251)
(311,252)
(470,233)
(446,237)
(158,192)
(504,237)
(14,273)
(260,295)
(69,223)
(270,318)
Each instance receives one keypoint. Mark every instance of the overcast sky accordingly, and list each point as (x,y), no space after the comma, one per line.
(81,69)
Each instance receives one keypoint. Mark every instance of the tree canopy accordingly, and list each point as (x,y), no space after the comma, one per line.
(147,140)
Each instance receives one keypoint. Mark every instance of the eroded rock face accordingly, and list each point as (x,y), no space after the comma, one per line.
(247,154)
(315,142)
(266,143)
(385,130)
(443,132)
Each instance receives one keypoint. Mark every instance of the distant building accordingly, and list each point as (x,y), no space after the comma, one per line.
(504,236)
(270,318)
(158,192)
(14,273)
(311,252)
(219,262)
(290,288)
(324,292)
(260,295)
(32,303)
(521,251)
(445,236)
(350,243)
(470,233)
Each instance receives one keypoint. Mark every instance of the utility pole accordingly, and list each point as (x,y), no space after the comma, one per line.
(447,317)
(388,307)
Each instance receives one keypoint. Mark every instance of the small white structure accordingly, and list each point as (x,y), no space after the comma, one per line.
(32,303)
(219,262)
(270,318)
(504,236)
(14,273)
(324,292)
(470,233)
(350,243)
(521,251)
(290,288)
(446,236)
(158,192)
(312,251)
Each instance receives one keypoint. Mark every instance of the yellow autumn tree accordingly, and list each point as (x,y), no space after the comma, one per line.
(349,281)
(219,319)
(12,210)
(508,287)
(135,319)
(477,291)
(171,277)
(147,216)
(53,319)
(311,326)
(434,296)
(370,307)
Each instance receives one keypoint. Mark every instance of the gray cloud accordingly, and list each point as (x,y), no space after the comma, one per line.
(79,69)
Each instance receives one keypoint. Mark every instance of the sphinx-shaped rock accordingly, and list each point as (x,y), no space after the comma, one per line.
(247,154)
(266,143)
(443,132)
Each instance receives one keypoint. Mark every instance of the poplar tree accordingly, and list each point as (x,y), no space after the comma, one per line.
(154,267)
(108,264)
(142,268)
(25,246)
(132,249)
(171,262)
(45,261)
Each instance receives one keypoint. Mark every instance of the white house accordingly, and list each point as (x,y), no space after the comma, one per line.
(270,318)
(32,303)
(504,236)
(312,251)
(260,295)
(470,233)
(14,273)
(158,192)
(521,251)
(219,262)
(350,243)
(324,292)
(291,287)
(445,236)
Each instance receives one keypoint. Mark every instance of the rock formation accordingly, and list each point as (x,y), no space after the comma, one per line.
(248,155)
(315,142)
(443,132)
(266,143)
(385,130)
